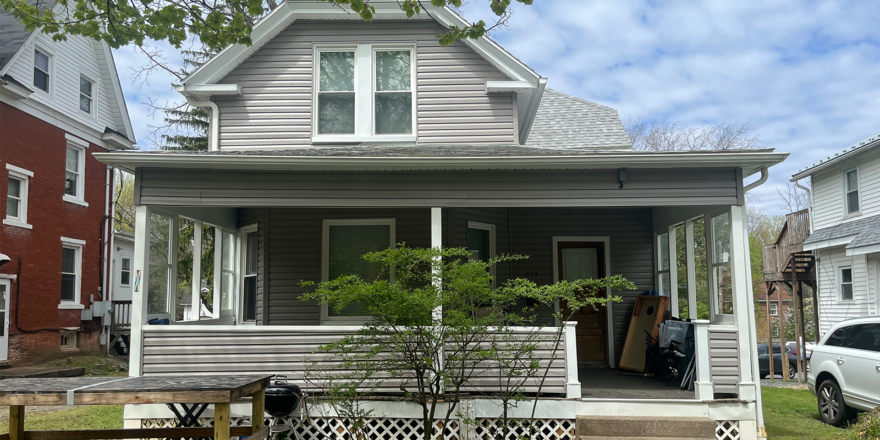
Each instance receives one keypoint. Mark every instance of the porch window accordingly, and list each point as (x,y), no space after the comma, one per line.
(393,94)
(481,242)
(701,258)
(723,285)
(160,264)
(846,284)
(663,280)
(227,271)
(681,279)
(125,272)
(249,275)
(852,191)
(345,242)
(336,93)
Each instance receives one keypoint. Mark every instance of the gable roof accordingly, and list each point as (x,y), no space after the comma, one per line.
(565,121)
(852,151)
(13,33)
(862,233)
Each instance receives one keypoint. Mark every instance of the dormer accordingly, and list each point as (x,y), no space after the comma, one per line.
(317,75)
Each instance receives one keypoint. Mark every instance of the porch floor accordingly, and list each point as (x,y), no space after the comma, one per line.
(612,383)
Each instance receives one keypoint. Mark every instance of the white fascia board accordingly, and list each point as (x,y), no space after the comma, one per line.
(829,243)
(862,250)
(508,86)
(117,90)
(117,141)
(529,117)
(131,160)
(15,90)
(204,92)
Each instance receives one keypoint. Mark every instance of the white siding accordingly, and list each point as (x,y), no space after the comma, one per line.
(828,191)
(275,110)
(831,309)
(70,59)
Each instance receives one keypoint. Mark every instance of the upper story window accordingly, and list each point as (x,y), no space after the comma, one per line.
(17,196)
(41,70)
(852,191)
(364,93)
(393,109)
(85,94)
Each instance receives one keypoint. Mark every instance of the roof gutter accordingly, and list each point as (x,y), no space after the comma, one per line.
(214,137)
(764,175)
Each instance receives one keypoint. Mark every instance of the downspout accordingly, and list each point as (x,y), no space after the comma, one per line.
(214,137)
(809,200)
(753,337)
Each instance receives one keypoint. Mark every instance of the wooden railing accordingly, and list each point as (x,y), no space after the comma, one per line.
(292,351)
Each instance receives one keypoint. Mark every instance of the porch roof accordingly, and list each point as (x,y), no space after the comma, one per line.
(435,157)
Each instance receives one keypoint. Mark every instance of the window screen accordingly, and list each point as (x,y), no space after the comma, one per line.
(347,244)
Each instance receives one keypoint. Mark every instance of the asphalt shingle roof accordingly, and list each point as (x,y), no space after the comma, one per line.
(564,121)
(852,150)
(12,32)
(866,232)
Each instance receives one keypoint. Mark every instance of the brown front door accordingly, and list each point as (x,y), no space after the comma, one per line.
(577,260)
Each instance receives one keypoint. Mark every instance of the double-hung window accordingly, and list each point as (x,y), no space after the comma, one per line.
(846,284)
(851,184)
(364,93)
(41,70)
(86,88)
(250,253)
(774,309)
(227,272)
(125,272)
(75,171)
(344,244)
(71,273)
(17,196)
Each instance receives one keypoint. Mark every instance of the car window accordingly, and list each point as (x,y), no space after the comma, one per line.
(762,350)
(864,337)
(838,338)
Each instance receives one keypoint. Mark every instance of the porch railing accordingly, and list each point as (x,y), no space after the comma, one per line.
(291,350)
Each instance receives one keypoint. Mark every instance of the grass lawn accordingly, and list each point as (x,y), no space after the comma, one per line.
(792,414)
(84,417)
(95,364)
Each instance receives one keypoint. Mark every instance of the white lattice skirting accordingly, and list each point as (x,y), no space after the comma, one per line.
(545,429)
(727,430)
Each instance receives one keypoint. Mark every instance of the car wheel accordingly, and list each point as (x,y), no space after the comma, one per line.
(832,409)
(792,371)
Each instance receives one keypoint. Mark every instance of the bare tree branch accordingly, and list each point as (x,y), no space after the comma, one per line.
(653,135)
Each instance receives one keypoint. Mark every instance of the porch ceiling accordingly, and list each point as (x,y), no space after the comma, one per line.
(442,158)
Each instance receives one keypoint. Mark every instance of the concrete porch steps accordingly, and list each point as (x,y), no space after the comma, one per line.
(644,428)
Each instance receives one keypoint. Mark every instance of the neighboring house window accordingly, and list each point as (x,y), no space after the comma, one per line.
(852,191)
(251,244)
(344,243)
(721,264)
(125,272)
(68,340)
(775,332)
(336,94)
(41,70)
(774,309)
(393,110)
(71,273)
(846,284)
(17,196)
(663,279)
(75,171)
(85,94)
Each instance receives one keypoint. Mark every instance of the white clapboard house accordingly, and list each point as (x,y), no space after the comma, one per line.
(329,131)
(845,236)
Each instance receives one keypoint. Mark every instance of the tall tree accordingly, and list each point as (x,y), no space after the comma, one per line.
(215,23)
(653,135)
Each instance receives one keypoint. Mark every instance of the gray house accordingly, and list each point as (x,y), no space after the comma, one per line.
(330,133)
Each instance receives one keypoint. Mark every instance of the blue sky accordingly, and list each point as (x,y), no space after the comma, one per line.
(804,74)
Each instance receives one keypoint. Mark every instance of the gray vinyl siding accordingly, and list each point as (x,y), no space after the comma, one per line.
(292,352)
(533,230)
(723,360)
(295,254)
(247,217)
(483,189)
(452,106)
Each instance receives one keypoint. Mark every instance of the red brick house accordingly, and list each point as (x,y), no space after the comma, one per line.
(60,102)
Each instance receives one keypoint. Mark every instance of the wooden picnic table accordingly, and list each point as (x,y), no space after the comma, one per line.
(220,391)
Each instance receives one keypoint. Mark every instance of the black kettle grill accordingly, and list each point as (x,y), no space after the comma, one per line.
(282,398)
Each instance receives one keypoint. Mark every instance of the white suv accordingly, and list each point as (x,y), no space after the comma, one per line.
(844,370)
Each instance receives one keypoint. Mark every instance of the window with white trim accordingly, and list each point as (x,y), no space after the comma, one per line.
(846,284)
(227,271)
(364,92)
(125,271)
(663,279)
(86,89)
(344,243)
(250,241)
(722,276)
(160,277)
(851,184)
(774,309)
(74,172)
(17,190)
(42,62)
(71,273)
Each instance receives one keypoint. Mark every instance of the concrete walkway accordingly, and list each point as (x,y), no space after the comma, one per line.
(29,372)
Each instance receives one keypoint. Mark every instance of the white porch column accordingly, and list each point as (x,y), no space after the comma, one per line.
(196,294)
(739,268)
(139,291)
(569,339)
(703,382)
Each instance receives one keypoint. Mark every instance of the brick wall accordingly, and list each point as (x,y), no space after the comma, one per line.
(40,147)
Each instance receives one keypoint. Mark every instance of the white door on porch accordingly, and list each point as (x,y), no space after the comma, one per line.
(5,288)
